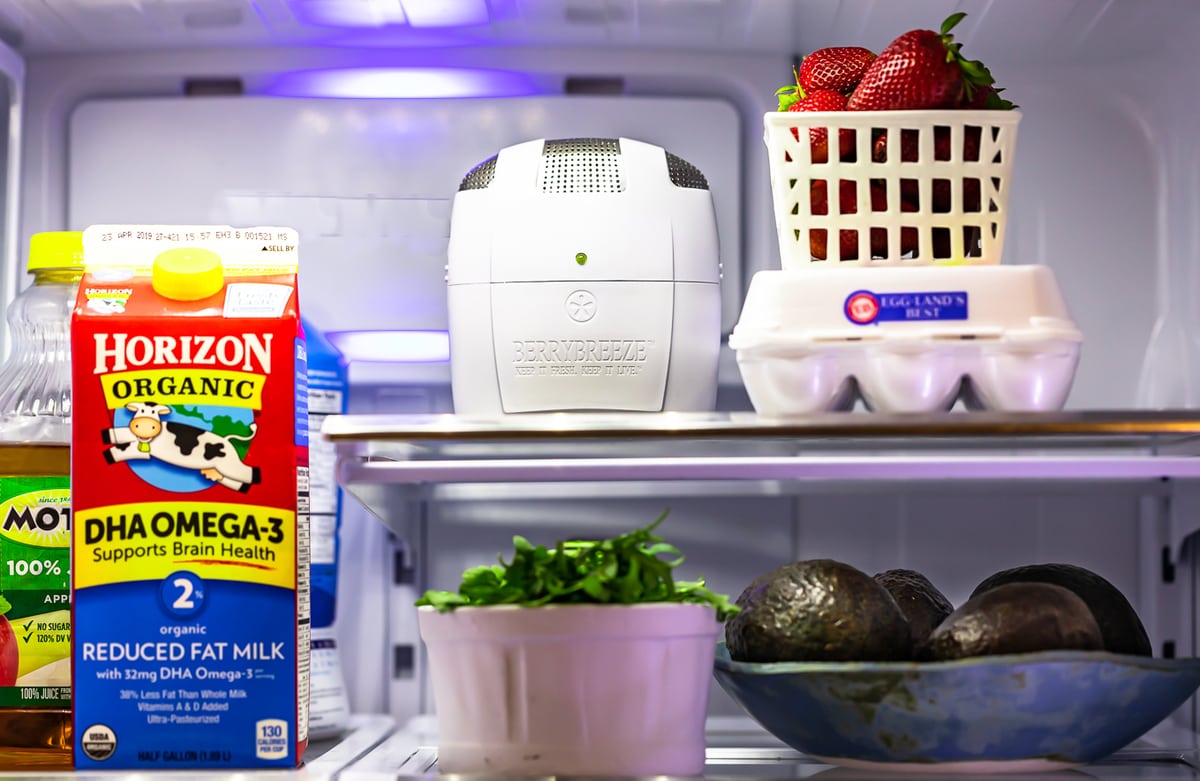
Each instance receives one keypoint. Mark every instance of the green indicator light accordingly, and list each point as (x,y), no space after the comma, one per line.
(581,258)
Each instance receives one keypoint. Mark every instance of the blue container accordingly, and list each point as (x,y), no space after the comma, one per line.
(328,393)
(1028,712)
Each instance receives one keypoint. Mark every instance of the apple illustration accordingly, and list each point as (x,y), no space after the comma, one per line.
(9,655)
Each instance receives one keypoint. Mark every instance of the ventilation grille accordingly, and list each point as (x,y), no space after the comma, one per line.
(585,165)
(479,177)
(684,174)
(582,165)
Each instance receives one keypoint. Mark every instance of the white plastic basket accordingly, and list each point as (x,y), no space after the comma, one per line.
(937,183)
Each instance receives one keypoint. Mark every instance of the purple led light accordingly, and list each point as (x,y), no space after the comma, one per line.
(339,13)
(446,13)
(401,83)
(384,13)
(393,346)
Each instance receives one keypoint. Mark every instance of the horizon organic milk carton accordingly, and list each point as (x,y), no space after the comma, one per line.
(189,463)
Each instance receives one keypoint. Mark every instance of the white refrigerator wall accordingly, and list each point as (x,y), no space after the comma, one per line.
(1104,183)
(370,181)
(1106,192)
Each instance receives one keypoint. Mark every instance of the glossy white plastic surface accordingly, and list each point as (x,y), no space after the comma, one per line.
(582,276)
(571,689)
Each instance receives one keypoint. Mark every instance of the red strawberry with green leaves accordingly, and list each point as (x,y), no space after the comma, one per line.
(921,69)
(817,100)
(9,652)
(837,68)
(986,97)
(796,98)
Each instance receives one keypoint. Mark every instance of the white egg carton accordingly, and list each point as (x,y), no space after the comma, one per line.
(906,340)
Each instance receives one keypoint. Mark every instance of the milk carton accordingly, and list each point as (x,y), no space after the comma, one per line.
(190,497)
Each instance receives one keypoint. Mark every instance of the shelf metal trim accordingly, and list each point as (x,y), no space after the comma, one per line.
(353,470)
(725,425)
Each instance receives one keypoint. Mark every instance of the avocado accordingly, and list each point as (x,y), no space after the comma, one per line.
(817,610)
(1015,618)
(1120,626)
(920,601)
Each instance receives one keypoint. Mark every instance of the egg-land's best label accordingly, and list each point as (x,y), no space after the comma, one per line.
(189,533)
(864,307)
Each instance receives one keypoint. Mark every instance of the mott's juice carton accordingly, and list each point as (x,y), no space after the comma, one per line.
(189,475)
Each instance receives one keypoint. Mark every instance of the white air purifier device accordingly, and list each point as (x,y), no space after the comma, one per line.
(584,274)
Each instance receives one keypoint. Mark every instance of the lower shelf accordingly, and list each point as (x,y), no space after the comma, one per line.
(738,749)
(372,750)
(324,760)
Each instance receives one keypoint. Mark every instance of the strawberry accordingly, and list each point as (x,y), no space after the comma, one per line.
(795,97)
(818,137)
(837,68)
(820,100)
(909,153)
(921,69)
(987,97)
(910,149)
(818,238)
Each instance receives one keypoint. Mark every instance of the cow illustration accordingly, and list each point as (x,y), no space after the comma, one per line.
(181,445)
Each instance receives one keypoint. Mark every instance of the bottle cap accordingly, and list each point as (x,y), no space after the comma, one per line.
(55,249)
(187,274)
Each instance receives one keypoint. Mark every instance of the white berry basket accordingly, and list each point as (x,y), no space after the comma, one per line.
(937,182)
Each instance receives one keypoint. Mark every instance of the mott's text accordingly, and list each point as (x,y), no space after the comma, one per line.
(44,518)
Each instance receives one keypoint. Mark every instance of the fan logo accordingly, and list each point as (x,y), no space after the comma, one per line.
(581,306)
(862,307)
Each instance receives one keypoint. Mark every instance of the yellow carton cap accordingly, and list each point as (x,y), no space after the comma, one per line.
(54,250)
(187,274)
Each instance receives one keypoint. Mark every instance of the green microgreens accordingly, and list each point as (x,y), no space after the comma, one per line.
(623,570)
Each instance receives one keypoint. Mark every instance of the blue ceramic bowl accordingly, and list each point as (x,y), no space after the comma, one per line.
(1023,713)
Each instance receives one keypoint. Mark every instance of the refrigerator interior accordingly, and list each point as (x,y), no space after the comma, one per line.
(354,122)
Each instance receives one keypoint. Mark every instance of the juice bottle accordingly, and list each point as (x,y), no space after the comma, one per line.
(35,611)
(328,706)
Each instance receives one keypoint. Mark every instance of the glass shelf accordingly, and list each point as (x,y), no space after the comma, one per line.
(387,460)
(1128,426)
(741,446)
(324,761)
(739,750)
